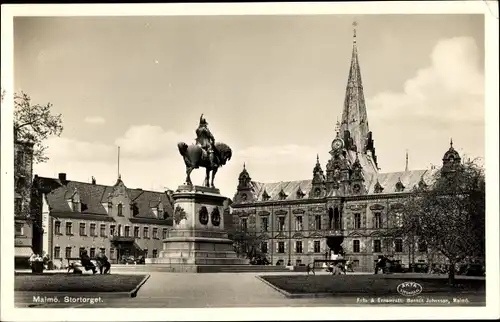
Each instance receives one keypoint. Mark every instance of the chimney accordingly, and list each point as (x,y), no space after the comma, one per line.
(93,180)
(62,177)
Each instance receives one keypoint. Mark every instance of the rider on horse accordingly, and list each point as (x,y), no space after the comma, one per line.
(206,140)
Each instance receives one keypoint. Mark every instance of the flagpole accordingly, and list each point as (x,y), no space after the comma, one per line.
(118,162)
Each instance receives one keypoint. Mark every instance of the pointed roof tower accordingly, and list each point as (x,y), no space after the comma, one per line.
(354,116)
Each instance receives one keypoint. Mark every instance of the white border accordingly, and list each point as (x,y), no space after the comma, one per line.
(490,10)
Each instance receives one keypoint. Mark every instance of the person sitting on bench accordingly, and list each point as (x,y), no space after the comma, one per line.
(86,262)
(103,262)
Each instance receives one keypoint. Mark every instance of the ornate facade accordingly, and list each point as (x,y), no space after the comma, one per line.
(345,207)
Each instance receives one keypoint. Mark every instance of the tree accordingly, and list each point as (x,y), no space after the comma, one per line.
(449,215)
(35,123)
(245,244)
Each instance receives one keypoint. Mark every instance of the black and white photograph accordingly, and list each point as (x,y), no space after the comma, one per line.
(337,159)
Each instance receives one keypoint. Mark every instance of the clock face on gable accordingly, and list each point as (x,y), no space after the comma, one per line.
(337,144)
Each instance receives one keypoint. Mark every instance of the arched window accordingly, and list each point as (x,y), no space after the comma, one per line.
(120,209)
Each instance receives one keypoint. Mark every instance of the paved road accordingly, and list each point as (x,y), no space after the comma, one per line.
(183,290)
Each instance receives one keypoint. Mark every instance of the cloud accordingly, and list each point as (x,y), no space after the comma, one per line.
(148,141)
(66,150)
(442,100)
(450,90)
(95,120)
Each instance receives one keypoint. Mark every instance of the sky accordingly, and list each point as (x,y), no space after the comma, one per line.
(271,87)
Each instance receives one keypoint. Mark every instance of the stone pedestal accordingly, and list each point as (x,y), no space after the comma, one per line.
(198,237)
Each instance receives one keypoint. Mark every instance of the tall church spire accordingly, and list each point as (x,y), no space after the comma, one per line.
(354,116)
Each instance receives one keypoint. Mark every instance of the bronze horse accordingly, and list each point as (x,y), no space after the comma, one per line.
(195,156)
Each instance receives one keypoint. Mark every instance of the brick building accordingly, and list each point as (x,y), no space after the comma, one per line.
(121,221)
(296,222)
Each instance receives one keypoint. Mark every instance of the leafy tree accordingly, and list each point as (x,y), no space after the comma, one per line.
(245,244)
(449,215)
(35,123)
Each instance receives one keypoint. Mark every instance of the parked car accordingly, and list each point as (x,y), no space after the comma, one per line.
(397,267)
(419,268)
(471,269)
(259,260)
(127,260)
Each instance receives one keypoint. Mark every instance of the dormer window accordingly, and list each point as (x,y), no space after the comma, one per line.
(134,209)
(282,195)
(300,194)
(265,196)
(120,209)
(399,186)
(378,188)
(317,192)
(76,205)
(110,206)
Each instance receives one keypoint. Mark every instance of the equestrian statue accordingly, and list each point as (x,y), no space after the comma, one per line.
(204,153)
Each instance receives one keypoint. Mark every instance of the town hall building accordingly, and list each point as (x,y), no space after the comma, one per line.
(345,208)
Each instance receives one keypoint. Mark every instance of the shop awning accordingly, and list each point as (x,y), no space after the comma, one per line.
(23,251)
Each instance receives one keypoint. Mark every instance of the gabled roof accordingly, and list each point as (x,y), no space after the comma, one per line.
(95,197)
(409,179)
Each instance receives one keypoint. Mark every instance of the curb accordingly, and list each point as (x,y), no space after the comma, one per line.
(324,295)
(133,293)
(287,294)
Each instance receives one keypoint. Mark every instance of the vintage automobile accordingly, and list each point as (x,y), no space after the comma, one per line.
(471,269)
(419,268)
(259,260)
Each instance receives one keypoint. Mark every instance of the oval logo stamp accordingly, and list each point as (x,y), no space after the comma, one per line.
(409,288)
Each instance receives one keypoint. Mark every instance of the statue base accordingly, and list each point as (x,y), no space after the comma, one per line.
(197,237)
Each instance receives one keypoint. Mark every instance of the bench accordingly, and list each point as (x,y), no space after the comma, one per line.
(333,268)
(76,265)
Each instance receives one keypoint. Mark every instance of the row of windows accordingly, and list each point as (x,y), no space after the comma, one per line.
(377,246)
(298,247)
(114,230)
(78,207)
(19,229)
(68,252)
(335,222)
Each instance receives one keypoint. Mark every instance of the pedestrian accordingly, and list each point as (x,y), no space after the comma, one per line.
(310,268)
(103,262)
(86,262)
